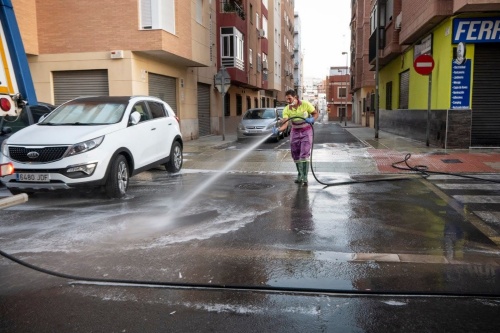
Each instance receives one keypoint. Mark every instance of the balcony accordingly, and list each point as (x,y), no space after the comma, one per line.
(373,43)
(233,6)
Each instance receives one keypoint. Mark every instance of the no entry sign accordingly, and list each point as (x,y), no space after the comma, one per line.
(423,64)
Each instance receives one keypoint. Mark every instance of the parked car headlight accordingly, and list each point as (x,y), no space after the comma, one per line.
(5,149)
(84,147)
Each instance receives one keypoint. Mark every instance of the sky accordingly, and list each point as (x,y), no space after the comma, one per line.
(325,34)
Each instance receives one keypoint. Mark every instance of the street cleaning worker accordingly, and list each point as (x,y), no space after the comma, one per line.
(301,136)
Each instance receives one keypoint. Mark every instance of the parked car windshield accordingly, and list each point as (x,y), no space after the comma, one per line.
(260,114)
(86,114)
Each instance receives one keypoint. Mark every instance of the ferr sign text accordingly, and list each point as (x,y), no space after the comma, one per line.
(476,30)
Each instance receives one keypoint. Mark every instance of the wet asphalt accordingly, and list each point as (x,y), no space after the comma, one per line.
(249,250)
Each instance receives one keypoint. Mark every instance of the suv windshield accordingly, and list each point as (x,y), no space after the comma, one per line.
(86,114)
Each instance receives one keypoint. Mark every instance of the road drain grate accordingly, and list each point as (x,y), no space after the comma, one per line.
(452,160)
(254,186)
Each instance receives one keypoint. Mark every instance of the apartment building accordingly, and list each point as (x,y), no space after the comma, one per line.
(163,48)
(362,78)
(288,37)
(338,94)
(298,57)
(456,105)
(257,51)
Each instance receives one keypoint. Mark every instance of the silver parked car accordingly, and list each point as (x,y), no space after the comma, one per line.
(280,115)
(258,122)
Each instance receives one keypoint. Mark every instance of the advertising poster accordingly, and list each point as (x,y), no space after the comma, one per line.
(460,80)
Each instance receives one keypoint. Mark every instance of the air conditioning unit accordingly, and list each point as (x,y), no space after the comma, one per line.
(397,24)
(261,33)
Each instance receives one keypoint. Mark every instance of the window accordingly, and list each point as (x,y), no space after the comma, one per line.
(404,89)
(342,92)
(264,26)
(388,95)
(250,57)
(199,11)
(389,9)
(158,14)
(157,110)
(239,105)
(141,108)
(251,14)
(232,46)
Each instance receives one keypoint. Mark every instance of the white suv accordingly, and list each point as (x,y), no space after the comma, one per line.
(94,142)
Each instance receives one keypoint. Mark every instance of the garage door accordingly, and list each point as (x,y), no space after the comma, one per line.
(204,109)
(165,88)
(72,84)
(485,130)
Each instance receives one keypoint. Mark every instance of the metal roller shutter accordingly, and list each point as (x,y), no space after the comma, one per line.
(404,91)
(165,88)
(204,109)
(485,130)
(72,84)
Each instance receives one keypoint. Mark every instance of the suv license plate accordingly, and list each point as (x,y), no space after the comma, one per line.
(33,177)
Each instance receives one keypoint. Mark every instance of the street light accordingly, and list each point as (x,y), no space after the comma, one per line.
(346,83)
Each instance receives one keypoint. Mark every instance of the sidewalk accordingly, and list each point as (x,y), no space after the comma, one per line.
(376,157)
(389,148)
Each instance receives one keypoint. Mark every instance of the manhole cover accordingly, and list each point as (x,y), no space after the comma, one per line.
(452,160)
(254,186)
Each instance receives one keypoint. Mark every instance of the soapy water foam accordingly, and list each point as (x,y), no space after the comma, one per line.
(165,221)
(148,225)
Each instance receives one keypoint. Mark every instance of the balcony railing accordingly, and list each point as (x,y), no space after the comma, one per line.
(232,6)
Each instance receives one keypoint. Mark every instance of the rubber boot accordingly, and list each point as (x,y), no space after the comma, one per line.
(305,170)
(298,165)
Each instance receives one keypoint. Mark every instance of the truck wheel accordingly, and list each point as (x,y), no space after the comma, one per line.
(117,182)
(174,163)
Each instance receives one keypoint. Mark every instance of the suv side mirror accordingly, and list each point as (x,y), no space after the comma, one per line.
(134,119)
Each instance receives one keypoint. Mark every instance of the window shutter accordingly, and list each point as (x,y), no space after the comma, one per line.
(146,19)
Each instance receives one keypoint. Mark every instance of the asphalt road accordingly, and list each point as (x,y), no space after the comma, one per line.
(210,251)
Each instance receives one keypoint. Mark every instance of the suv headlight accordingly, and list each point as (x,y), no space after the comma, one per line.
(85,146)
(5,149)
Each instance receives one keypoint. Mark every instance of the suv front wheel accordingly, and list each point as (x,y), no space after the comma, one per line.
(117,183)
(174,163)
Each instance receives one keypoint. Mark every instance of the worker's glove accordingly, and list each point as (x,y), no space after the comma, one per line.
(310,120)
(275,130)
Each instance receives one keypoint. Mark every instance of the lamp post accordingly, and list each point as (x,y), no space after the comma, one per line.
(341,113)
(346,83)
